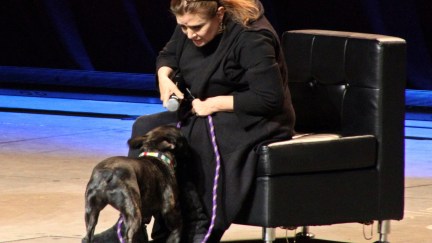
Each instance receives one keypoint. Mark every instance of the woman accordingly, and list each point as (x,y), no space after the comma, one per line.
(231,62)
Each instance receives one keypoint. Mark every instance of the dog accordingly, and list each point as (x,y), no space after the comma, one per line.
(139,187)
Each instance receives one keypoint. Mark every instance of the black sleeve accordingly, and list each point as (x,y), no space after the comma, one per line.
(168,55)
(264,96)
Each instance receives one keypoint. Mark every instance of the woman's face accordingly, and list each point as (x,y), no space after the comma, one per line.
(198,28)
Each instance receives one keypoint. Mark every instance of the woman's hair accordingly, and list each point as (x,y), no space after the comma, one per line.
(241,11)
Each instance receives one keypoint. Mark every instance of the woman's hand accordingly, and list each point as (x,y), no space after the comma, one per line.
(212,105)
(166,86)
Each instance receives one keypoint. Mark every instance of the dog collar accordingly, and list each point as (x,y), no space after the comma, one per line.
(160,156)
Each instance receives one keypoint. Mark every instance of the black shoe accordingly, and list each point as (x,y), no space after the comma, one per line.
(159,240)
(110,235)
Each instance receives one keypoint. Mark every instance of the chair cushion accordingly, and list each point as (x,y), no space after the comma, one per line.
(313,153)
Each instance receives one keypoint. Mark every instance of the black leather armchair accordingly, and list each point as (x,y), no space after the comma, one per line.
(347,162)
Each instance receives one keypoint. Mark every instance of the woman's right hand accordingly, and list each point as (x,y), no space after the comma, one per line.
(166,86)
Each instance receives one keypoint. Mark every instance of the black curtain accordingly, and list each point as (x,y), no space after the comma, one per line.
(126,35)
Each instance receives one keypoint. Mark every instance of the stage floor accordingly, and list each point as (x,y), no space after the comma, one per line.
(48,147)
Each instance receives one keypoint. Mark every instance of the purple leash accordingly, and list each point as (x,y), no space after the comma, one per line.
(216,176)
(119,224)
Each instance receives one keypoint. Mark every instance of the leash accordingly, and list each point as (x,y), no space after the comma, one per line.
(119,224)
(216,176)
(215,184)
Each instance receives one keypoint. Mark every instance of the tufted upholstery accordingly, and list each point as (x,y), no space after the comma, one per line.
(348,94)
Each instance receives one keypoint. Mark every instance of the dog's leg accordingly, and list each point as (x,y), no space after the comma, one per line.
(91,219)
(172,215)
(94,203)
(133,225)
(131,210)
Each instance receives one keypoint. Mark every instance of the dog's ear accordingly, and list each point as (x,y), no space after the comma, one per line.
(175,144)
(136,142)
(166,145)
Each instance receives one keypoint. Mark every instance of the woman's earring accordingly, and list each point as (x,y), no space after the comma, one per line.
(221,27)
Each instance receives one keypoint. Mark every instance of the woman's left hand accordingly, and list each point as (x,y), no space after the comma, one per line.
(201,107)
(213,104)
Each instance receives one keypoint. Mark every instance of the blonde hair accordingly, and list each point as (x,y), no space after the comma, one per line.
(243,12)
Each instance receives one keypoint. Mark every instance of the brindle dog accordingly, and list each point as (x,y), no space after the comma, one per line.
(139,187)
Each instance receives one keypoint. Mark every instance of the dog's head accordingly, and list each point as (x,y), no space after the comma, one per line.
(165,138)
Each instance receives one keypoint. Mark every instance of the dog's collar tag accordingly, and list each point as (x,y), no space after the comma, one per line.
(160,156)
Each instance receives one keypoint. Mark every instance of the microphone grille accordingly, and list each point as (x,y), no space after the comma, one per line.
(173,104)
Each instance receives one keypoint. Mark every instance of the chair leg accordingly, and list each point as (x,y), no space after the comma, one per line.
(305,233)
(383,231)
(269,234)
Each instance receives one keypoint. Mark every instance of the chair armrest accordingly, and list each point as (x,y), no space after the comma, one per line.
(317,153)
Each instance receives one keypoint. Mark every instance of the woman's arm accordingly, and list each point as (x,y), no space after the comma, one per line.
(264,95)
(166,86)
(165,64)
(257,54)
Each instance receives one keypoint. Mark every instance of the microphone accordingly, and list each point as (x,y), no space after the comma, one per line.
(173,103)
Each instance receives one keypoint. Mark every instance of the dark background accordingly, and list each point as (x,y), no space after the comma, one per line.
(124,36)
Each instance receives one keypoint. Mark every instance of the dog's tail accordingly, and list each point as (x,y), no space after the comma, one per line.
(112,175)
(107,175)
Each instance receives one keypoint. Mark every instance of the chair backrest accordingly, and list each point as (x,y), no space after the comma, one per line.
(343,82)
(353,84)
